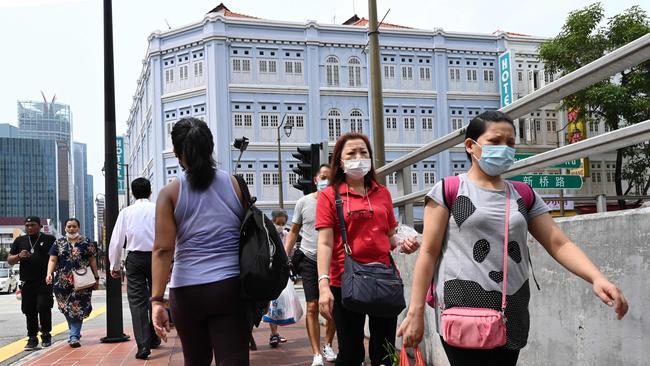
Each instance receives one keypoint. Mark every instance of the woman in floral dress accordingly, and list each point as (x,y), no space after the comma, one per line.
(70,253)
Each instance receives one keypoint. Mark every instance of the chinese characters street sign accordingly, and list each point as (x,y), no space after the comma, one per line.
(550,181)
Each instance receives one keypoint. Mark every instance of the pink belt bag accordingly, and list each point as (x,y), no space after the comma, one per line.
(475,328)
(479,328)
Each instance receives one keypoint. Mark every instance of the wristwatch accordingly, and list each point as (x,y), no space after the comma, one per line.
(323,277)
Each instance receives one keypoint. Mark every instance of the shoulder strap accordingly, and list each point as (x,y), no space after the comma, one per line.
(339,210)
(525,191)
(243,187)
(528,195)
(505,250)
(450,190)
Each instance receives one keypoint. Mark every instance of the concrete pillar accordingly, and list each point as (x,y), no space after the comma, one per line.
(601,203)
(405,186)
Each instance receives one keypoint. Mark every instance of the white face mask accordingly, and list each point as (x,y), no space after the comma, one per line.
(356,168)
(72,236)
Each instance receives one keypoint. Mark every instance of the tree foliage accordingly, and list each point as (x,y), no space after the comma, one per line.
(622,100)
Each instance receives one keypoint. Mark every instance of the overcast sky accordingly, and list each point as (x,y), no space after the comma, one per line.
(55,46)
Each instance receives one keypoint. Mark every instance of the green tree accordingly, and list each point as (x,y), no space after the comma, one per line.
(622,100)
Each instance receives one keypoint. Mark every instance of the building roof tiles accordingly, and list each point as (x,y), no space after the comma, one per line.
(221,8)
(363,22)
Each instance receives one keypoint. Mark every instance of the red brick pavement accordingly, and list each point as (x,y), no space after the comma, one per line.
(296,351)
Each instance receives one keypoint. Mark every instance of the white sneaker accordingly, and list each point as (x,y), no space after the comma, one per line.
(329,353)
(318,360)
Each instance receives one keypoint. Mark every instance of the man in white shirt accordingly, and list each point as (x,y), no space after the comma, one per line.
(135,224)
(303,223)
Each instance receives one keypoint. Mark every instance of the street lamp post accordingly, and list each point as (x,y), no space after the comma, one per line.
(114,324)
(375,88)
(240,143)
(560,143)
(287,131)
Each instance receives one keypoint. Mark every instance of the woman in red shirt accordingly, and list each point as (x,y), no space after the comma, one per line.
(370,224)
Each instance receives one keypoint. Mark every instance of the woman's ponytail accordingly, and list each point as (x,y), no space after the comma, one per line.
(193,144)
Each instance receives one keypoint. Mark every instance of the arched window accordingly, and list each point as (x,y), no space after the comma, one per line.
(356,121)
(354,72)
(333,124)
(332,69)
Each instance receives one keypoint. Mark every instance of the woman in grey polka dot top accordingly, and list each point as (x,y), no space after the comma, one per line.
(463,246)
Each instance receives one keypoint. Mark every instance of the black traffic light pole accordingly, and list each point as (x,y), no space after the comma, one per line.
(114,326)
(307,167)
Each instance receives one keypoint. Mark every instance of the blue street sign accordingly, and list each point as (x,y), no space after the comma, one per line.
(505,78)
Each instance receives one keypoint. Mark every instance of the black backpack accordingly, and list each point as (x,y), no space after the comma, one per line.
(263,263)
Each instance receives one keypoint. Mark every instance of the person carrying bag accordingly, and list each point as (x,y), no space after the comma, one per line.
(475,260)
(357,277)
(372,288)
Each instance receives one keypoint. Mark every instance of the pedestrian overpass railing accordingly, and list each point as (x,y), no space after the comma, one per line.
(621,59)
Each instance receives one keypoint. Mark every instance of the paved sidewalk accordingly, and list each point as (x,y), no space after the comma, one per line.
(296,351)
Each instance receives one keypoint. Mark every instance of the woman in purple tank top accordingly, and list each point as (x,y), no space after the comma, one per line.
(198,217)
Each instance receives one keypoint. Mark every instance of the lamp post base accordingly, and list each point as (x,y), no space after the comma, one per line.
(118,339)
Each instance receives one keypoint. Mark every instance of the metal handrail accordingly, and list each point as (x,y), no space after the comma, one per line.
(618,60)
(593,198)
(576,199)
(610,141)
(626,136)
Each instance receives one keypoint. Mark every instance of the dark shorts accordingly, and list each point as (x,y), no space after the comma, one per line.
(309,274)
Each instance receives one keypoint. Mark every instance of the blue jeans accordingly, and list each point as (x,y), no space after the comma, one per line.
(75,329)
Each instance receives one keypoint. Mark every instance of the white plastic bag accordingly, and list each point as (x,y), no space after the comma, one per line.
(404,232)
(286,309)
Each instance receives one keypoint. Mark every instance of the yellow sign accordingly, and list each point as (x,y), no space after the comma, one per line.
(576,132)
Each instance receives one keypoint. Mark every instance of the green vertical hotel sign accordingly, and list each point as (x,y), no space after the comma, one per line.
(121,184)
(505,78)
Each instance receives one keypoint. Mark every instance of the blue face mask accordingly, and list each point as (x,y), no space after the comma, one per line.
(322,184)
(495,159)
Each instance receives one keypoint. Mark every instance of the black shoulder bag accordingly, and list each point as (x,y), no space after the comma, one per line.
(263,264)
(374,288)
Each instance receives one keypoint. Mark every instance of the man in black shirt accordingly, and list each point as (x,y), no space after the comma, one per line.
(32,252)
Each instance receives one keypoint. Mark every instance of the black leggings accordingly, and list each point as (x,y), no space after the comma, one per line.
(480,357)
(350,335)
(210,320)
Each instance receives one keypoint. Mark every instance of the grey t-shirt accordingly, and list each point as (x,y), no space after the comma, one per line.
(470,270)
(305,214)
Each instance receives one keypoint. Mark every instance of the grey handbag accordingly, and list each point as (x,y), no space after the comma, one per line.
(83,278)
(374,289)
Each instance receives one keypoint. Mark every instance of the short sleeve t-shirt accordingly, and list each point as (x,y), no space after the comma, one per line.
(304,214)
(368,219)
(470,269)
(33,268)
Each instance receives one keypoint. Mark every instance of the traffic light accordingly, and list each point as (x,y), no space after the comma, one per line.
(307,167)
